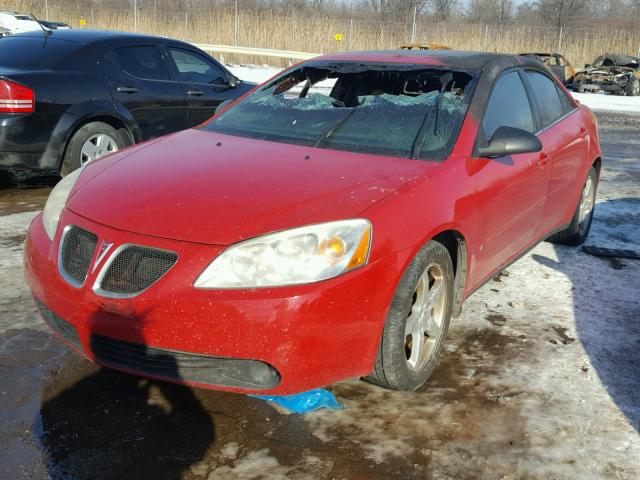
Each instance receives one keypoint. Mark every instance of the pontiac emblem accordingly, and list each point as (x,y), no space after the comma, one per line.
(102,252)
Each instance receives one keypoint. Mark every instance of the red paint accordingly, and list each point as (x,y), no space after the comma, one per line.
(206,197)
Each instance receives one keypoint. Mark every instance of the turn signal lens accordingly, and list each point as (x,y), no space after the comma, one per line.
(362,250)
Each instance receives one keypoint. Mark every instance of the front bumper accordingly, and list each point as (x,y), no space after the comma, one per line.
(297,337)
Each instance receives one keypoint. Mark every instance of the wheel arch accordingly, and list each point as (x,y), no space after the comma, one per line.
(456,245)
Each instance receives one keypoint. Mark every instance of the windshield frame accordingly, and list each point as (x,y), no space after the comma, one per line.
(356,67)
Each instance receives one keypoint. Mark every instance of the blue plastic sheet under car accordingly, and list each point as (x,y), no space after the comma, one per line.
(304,402)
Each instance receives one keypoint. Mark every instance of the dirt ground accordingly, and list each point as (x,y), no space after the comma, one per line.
(540,380)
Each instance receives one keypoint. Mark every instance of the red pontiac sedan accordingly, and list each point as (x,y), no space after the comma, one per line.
(327,225)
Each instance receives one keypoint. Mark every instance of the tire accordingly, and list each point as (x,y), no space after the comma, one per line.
(633,88)
(578,230)
(393,367)
(74,157)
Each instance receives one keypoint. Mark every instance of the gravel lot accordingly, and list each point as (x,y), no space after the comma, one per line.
(541,380)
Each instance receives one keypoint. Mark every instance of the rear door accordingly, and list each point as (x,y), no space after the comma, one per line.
(205,82)
(510,190)
(564,139)
(140,80)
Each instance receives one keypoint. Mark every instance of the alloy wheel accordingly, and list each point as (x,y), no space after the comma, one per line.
(424,325)
(97,146)
(587,201)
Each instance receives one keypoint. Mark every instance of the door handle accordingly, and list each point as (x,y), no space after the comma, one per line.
(127,89)
(195,93)
(542,159)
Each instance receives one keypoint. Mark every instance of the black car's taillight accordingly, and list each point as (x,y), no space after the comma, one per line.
(15,98)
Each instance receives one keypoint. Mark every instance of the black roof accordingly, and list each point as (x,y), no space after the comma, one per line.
(84,36)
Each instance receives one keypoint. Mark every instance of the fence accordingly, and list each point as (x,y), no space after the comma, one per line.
(227,24)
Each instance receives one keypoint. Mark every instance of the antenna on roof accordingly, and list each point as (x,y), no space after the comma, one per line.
(46,32)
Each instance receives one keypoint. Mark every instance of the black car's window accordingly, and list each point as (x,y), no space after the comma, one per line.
(142,61)
(34,52)
(384,109)
(195,68)
(508,106)
(547,97)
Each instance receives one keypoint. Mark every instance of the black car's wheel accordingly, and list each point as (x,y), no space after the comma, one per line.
(633,88)
(90,142)
(417,323)
(578,230)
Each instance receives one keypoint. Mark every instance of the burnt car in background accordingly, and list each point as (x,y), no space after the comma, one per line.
(612,73)
(557,63)
(71,96)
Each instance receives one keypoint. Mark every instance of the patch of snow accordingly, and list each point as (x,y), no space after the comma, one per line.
(608,103)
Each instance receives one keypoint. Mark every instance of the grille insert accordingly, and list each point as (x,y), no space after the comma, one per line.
(58,325)
(76,252)
(133,269)
(174,365)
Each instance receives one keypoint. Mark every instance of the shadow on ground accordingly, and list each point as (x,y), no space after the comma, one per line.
(609,331)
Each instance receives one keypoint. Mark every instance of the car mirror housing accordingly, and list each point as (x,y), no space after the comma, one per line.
(510,141)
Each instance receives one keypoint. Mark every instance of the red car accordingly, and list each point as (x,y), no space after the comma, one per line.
(327,225)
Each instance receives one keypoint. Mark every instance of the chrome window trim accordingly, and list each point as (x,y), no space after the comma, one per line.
(97,285)
(73,282)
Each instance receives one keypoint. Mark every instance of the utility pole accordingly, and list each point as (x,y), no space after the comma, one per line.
(135,15)
(237,39)
(413,27)
(46,9)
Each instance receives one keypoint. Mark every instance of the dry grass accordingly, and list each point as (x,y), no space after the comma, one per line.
(316,33)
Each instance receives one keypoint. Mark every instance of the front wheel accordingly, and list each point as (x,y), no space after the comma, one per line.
(418,320)
(90,142)
(578,230)
(633,87)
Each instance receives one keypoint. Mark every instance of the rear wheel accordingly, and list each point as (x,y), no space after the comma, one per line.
(90,142)
(578,230)
(417,323)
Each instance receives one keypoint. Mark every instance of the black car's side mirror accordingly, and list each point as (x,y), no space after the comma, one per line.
(510,141)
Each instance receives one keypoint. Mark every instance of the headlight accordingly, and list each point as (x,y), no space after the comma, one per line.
(300,255)
(56,201)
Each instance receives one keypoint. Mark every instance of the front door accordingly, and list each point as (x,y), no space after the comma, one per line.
(205,83)
(510,190)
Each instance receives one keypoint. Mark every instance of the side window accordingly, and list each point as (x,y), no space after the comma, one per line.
(508,106)
(548,99)
(567,103)
(195,68)
(142,61)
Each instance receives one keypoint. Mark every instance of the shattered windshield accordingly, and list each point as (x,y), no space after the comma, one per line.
(405,111)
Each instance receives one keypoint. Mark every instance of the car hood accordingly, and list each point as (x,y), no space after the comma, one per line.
(210,188)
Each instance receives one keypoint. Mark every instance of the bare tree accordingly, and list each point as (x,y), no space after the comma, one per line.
(488,11)
(561,12)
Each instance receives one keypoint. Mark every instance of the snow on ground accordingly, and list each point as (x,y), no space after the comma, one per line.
(595,101)
(608,103)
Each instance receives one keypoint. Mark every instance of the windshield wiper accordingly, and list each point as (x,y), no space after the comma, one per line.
(419,140)
(323,138)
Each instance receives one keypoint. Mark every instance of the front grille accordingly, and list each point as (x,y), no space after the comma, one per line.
(173,365)
(76,252)
(134,269)
(58,325)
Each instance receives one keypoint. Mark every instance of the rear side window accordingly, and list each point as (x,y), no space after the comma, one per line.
(35,53)
(195,68)
(508,106)
(567,103)
(547,97)
(142,61)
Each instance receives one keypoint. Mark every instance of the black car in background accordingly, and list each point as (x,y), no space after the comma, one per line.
(71,96)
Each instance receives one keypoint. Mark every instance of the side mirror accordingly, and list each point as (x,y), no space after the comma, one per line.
(221,105)
(510,141)
(233,81)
